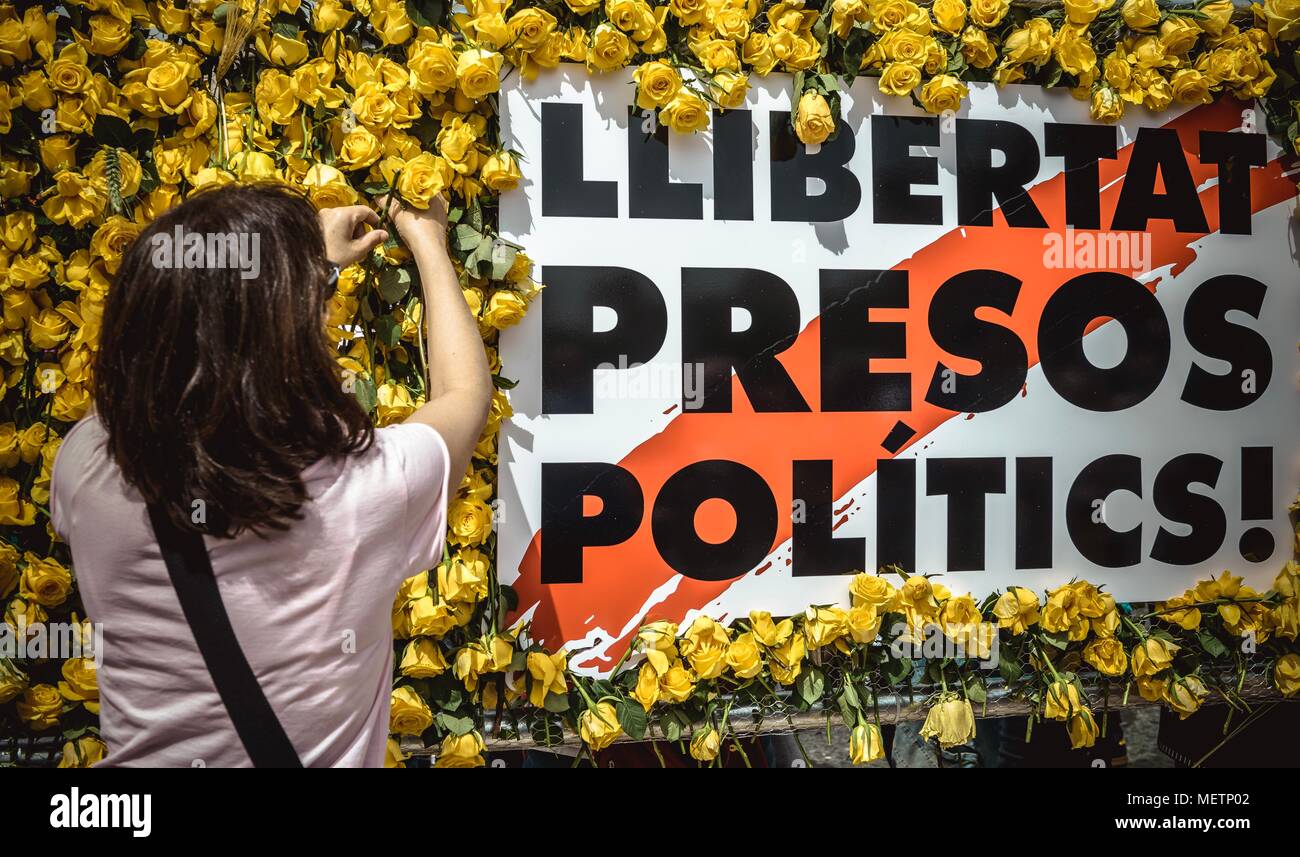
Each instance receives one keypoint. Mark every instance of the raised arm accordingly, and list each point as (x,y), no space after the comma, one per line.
(459,384)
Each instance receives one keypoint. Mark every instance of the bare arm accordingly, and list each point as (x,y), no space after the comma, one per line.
(459,384)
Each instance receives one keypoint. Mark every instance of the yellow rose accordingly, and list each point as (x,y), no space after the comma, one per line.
(1085,11)
(75,201)
(359,148)
(1074,51)
(846,13)
(80,683)
(1017,610)
(1184,695)
(1179,35)
(599,726)
(949,15)
(1030,44)
(1107,656)
(866,744)
(610,48)
(1191,87)
(758,54)
(327,187)
(988,13)
(464,577)
(873,590)
(704,646)
(422,178)
(769,633)
(433,66)
(1152,655)
(677,683)
(646,691)
(743,656)
(1082,729)
(478,73)
(943,92)
(531,28)
(40,707)
(14,44)
(83,752)
(705,744)
(657,82)
(1286,675)
(1061,699)
(422,658)
(13,681)
(823,626)
(864,623)
(686,113)
(1217,15)
(390,21)
(1156,91)
(786,660)
(58,152)
(108,35)
(899,79)
(813,122)
(410,714)
(951,721)
(548,676)
(917,596)
(716,54)
(689,12)
(461,751)
(504,309)
(470,521)
(279,49)
(500,172)
(44,581)
(1106,105)
(393,755)
(1282,18)
(730,89)
(1140,14)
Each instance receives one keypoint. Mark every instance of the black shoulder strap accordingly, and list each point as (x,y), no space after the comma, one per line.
(190,569)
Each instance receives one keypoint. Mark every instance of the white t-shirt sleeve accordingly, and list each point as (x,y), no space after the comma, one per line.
(425,462)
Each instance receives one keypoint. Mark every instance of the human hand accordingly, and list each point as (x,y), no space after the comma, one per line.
(422,230)
(346,238)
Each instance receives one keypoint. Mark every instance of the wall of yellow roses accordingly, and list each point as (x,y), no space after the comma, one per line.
(111,111)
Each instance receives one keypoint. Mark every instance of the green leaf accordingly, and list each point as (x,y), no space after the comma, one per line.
(394,283)
(366,393)
(810,685)
(897,670)
(1057,640)
(453,724)
(556,703)
(466,238)
(632,717)
(111,131)
(388,330)
(503,259)
(1213,645)
(482,253)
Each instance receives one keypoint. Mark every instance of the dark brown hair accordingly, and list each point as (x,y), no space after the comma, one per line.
(217,386)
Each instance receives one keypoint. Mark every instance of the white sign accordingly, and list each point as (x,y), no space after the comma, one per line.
(1010,346)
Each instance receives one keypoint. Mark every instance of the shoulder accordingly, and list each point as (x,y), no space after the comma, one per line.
(415,448)
(81,453)
(83,444)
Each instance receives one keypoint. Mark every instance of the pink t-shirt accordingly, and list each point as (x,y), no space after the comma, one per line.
(311,606)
